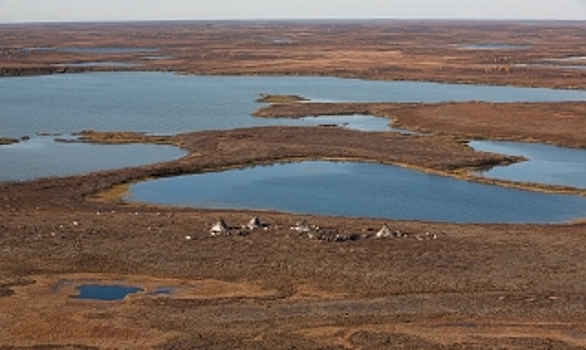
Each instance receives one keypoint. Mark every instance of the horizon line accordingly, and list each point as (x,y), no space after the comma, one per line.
(316,19)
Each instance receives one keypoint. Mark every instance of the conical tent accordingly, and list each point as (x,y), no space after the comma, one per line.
(385,231)
(219,227)
(302,226)
(254,223)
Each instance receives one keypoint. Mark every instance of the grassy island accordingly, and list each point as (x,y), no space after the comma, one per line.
(266,98)
(7,141)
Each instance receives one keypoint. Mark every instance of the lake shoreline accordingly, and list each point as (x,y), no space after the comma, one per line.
(458,171)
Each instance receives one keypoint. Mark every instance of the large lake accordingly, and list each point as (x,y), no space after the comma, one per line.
(165,103)
(169,103)
(359,189)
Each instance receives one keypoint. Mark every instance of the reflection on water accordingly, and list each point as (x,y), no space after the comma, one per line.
(358,189)
(43,157)
(354,122)
(105,292)
(360,122)
(546,164)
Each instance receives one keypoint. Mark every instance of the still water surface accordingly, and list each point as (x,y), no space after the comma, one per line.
(169,103)
(42,157)
(358,189)
(546,164)
(496,46)
(105,292)
(97,64)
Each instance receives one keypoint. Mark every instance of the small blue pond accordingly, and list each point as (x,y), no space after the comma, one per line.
(104,292)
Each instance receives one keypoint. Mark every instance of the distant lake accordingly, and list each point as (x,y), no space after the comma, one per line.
(360,190)
(158,57)
(97,64)
(165,103)
(495,46)
(576,59)
(552,65)
(93,50)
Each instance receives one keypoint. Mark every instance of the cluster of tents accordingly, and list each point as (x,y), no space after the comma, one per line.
(313,232)
(386,232)
(220,228)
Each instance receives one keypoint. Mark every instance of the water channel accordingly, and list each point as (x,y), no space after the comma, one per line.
(546,164)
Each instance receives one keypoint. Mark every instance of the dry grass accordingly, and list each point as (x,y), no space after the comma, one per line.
(554,123)
(388,50)
(276,288)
